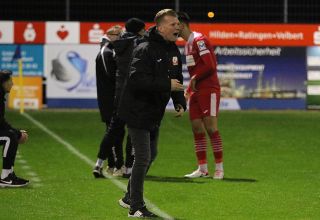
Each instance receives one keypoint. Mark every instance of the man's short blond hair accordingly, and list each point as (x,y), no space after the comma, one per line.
(161,14)
(114,30)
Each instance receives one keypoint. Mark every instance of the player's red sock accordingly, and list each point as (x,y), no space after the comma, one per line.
(200,142)
(216,143)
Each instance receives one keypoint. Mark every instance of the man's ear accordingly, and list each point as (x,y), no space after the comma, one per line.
(160,28)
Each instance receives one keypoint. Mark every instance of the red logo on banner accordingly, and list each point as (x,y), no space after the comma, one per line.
(91,33)
(29,32)
(62,32)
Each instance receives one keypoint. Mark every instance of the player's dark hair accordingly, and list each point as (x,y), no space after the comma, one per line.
(183,17)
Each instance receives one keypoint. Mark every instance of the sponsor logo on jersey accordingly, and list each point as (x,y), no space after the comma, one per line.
(201,45)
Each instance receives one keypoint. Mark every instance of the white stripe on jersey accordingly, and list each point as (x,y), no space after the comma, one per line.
(190,61)
(204,52)
(213,111)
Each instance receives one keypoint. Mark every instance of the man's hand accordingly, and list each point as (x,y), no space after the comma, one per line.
(193,84)
(24,137)
(176,85)
(179,110)
(187,95)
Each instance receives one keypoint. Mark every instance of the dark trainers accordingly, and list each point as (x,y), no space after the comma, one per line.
(97,172)
(142,213)
(13,181)
(124,203)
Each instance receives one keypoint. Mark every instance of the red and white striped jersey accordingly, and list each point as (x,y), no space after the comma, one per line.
(201,62)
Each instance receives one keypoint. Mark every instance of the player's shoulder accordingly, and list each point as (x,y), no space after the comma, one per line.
(201,41)
(200,37)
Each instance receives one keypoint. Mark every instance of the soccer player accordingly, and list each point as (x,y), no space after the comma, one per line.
(204,97)
(10,137)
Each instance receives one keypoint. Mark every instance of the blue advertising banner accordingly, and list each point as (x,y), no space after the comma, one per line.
(313,85)
(32,59)
(70,74)
(263,77)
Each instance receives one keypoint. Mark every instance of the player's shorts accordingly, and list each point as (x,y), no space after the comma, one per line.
(204,104)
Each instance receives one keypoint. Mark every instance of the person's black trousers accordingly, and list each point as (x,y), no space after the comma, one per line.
(9,140)
(111,144)
(145,147)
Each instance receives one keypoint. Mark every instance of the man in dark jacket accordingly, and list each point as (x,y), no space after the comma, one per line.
(10,137)
(105,75)
(155,76)
(123,47)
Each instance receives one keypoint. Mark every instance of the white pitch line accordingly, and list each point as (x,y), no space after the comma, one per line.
(34,177)
(30,173)
(91,163)
(21,161)
(26,167)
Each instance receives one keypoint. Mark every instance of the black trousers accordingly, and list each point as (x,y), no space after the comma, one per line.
(129,153)
(9,140)
(145,147)
(111,144)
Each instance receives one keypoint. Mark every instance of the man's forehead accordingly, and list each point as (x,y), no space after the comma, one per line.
(170,19)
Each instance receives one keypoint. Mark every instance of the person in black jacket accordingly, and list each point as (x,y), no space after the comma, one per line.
(105,76)
(10,137)
(155,76)
(123,47)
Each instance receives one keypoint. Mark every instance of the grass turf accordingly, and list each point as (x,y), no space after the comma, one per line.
(271,161)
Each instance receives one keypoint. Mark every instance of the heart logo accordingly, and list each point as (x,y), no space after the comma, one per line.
(62,32)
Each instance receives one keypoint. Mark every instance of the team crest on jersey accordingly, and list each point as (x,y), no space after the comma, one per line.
(174,61)
(201,45)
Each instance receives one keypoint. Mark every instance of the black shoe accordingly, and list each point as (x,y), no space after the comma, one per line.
(124,203)
(13,181)
(97,172)
(142,213)
(126,175)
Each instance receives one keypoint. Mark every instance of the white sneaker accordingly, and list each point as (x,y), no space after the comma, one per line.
(109,170)
(196,174)
(118,172)
(218,175)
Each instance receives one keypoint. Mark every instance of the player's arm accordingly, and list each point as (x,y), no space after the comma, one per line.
(208,64)
(110,68)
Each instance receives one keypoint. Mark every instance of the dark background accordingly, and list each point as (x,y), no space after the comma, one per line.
(226,11)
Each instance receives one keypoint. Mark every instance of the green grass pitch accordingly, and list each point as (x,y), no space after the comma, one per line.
(271,161)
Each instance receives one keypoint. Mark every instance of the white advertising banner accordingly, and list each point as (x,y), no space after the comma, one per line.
(6,32)
(70,71)
(62,32)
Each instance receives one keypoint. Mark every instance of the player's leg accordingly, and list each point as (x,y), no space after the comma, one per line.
(105,151)
(118,136)
(199,137)
(141,142)
(154,137)
(211,125)
(129,157)
(9,141)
